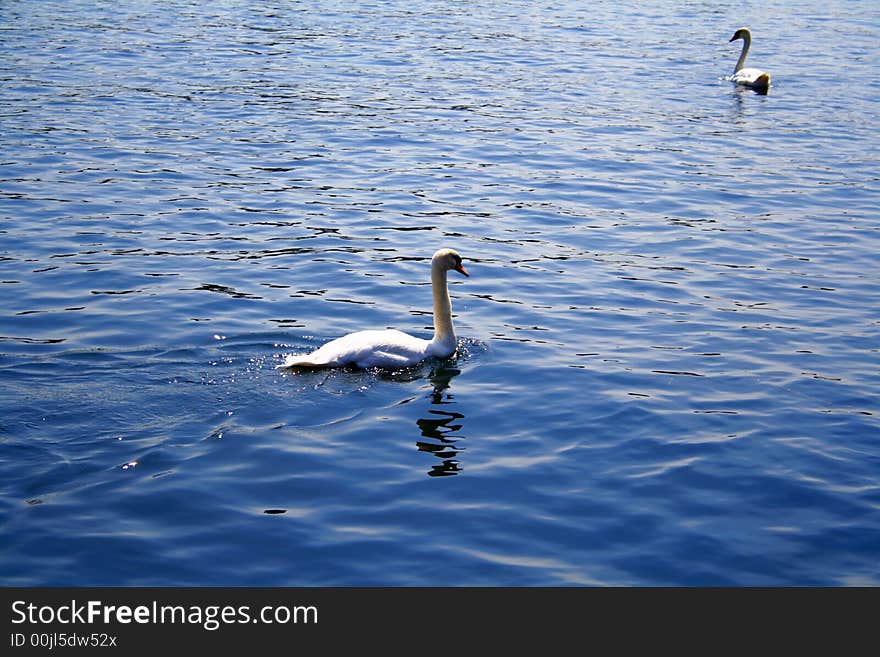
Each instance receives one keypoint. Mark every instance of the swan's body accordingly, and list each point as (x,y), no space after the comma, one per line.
(391,348)
(750,77)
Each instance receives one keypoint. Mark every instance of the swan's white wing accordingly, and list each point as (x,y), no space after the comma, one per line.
(752,77)
(747,75)
(388,348)
(388,359)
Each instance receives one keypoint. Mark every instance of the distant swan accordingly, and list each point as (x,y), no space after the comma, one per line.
(749,77)
(391,348)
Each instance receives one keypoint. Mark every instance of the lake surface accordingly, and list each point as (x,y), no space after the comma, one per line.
(668,370)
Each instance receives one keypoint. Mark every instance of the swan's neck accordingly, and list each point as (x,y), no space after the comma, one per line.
(747,41)
(444,334)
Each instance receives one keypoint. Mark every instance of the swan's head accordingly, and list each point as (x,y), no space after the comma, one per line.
(446,259)
(741,33)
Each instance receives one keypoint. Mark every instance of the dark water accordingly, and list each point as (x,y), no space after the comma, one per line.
(669,367)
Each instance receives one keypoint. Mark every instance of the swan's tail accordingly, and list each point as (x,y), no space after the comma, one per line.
(762,83)
(300,361)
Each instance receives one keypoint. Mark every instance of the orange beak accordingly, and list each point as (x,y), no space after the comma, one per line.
(461,270)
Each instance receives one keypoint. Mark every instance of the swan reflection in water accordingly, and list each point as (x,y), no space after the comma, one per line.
(442,425)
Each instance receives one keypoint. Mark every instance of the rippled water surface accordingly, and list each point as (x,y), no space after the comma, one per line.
(668,370)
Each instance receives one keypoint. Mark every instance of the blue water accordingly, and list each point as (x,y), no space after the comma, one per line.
(669,367)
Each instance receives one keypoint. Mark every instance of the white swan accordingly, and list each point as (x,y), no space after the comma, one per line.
(391,348)
(750,77)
